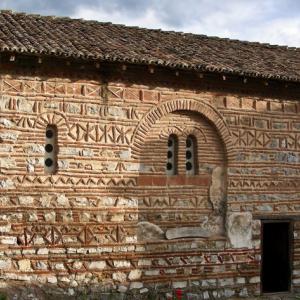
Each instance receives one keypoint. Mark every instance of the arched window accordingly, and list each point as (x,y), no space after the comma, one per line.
(190,155)
(171,167)
(50,162)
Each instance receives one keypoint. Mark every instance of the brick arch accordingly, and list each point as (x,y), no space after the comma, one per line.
(204,109)
(52,118)
(166,132)
(184,131)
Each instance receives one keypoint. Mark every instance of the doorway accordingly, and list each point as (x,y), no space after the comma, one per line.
(276,256)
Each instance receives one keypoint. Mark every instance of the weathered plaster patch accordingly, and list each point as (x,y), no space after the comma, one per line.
(239,229)
(217,189)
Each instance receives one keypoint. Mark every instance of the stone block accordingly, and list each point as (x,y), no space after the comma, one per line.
(119,276)
(4,201)
(117,217)
(149,231)
(116,112)
(81,201)
(7,123)
(34,148)
(52,279)
(59,266)
(122,264)
(226,281)
(136,285)
(6,148)
(77,265)
(125,154)
(93,109)
(239,229)
(23,105)
(179,284)
(185,232)
(255,279)
(7,163)
(135,274)
(67,216)
(5,228)
(9,135)
(32,216)
(122,289)
(42,251)
(144,290)
(229,293)
(152,273)
(24,265)
(7,184)
(144,262)
(243,292)
(62,200)
(41,265)
(5,264)
(26,200)
(97,265)
(50,216)
(73,108)
(8,240)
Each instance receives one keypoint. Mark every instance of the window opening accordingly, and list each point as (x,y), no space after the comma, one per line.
(50,150)
(171,167)
(190,154)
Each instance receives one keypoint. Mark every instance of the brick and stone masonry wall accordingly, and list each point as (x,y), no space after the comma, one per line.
(110,218)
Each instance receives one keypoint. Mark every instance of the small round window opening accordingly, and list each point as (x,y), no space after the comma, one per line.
(190,155)
(50,158)
(171,166)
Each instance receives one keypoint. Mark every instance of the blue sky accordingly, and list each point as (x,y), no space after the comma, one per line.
(271,21)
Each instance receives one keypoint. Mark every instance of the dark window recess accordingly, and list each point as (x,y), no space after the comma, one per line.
(189,166)
(171,164)
(188,142)
(190,155)
(49,133)
(48,162)
(51,149)
(276,248)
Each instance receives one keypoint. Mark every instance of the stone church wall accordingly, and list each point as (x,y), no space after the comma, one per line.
(110,218)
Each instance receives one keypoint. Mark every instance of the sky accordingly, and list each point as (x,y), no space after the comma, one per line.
(269,21)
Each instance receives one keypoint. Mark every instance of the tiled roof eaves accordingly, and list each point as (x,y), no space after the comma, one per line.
(274,62)
(153,62)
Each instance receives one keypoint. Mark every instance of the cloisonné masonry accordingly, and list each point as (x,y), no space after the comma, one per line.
(124,178)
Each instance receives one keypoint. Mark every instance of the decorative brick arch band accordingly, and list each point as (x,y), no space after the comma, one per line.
(204,109)
(52,118)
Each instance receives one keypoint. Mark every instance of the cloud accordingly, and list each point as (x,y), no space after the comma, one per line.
(283,31)
(272,21)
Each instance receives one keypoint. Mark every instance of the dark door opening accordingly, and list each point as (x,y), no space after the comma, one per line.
(276,246)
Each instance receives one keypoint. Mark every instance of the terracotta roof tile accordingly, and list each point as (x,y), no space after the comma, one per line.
(93,40)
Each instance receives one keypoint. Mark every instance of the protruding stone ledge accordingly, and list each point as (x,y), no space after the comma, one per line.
(185,232)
